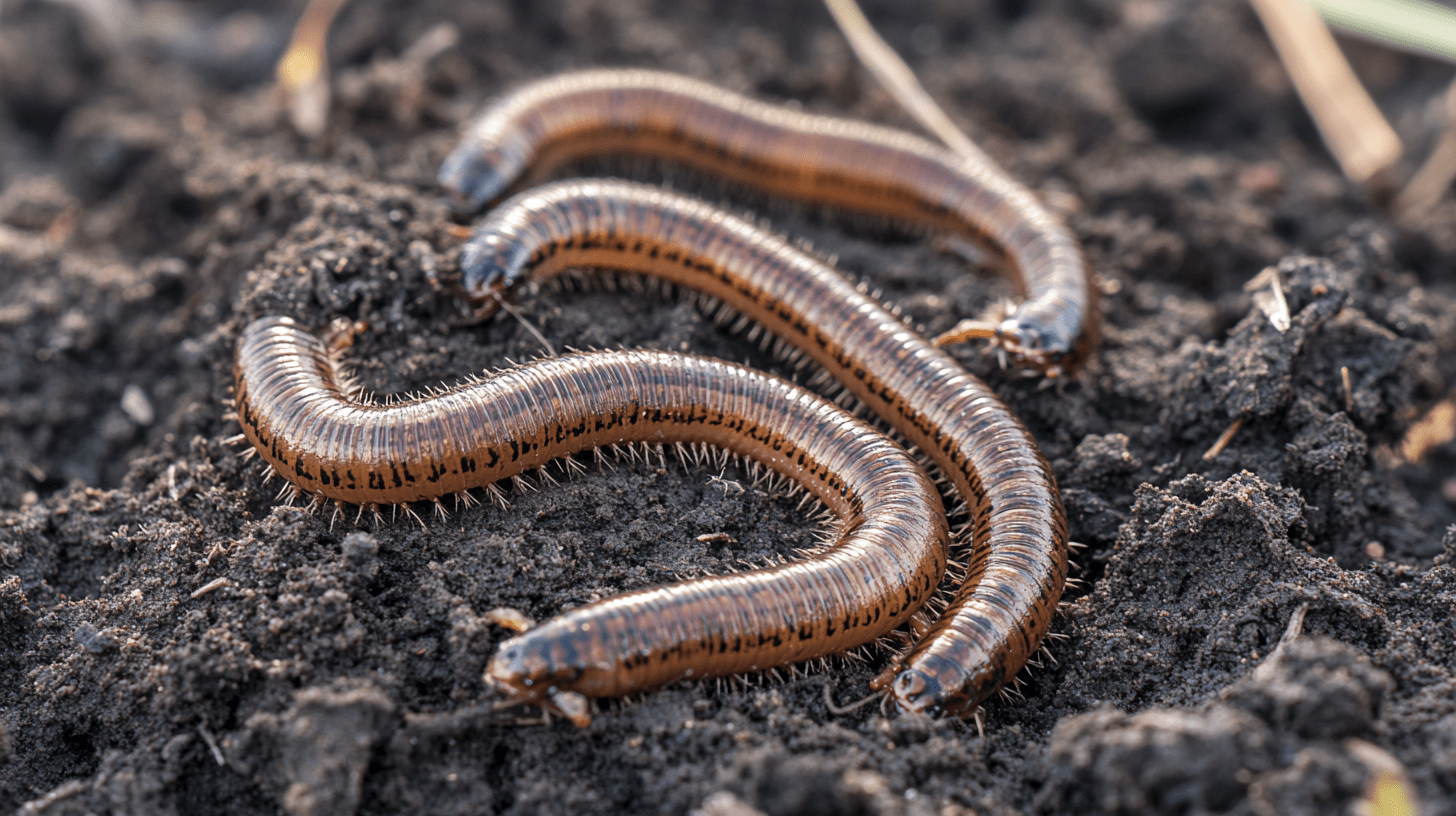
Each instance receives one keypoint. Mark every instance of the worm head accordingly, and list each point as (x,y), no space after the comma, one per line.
(474,175)
(525,676)
(932,687)
(488,161)
(490,265)
(1026,343)
(913,691)
(1020,341)
(916,692)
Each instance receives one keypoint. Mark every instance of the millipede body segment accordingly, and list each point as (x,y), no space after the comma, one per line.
(1019,560)
(887,561)
(818,159)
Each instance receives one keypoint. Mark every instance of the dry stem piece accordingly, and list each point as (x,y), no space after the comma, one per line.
(303,70)
(897,79)
(1352,127)
(1431,181)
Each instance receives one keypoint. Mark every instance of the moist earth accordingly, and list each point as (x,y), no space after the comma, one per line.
(175,639)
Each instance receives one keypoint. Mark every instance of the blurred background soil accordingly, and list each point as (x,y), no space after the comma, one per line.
(175,640)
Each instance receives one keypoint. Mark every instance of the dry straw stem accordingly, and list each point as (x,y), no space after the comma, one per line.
(303,70)
(1424,28)
(1352,127)
(1431,181)
(1223,439)
(898,80)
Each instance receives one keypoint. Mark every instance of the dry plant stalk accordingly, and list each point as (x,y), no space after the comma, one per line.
(1352,127)
(303,70)
(1223,439)
(897,79)
(1430,182)
(1268,291)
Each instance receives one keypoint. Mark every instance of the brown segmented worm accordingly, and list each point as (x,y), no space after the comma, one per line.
(1019,558)
(887,561)
(855,166)
(1019,561)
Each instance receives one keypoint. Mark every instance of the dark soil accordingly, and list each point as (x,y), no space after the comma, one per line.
(154,202)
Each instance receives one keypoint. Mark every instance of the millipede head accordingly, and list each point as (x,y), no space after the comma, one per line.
(527,676)
(474,174)
(914,692)
(490,266)
(1029,347)
(1021,341)
(932,687)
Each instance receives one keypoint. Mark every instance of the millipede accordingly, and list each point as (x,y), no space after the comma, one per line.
(531,132)
(889,556)
(1018,564)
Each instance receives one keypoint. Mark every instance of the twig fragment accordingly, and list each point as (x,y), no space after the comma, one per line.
(216,583)
(1269,297)
(898,80)
(1223,440)
(1431,431)
(303,70)
(1420,26)
(1352,127)
(1433,179)
(211,741)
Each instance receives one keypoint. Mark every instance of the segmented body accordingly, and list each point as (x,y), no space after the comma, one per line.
(1019,560)
(1018,564)
(888,560)
(844,164)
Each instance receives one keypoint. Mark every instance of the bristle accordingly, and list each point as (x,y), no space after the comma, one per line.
(410,511)
(1049,656)
(497,496)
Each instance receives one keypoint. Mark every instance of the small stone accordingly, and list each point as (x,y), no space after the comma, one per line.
(137,407)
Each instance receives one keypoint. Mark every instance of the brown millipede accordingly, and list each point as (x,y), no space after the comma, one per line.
(888,559)
(1019,560)
(850,165)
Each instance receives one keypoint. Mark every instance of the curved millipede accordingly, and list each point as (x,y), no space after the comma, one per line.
(1019,560)
(887,561)
(818,159)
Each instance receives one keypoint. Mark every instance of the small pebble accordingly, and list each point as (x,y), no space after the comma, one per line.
(136,405)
